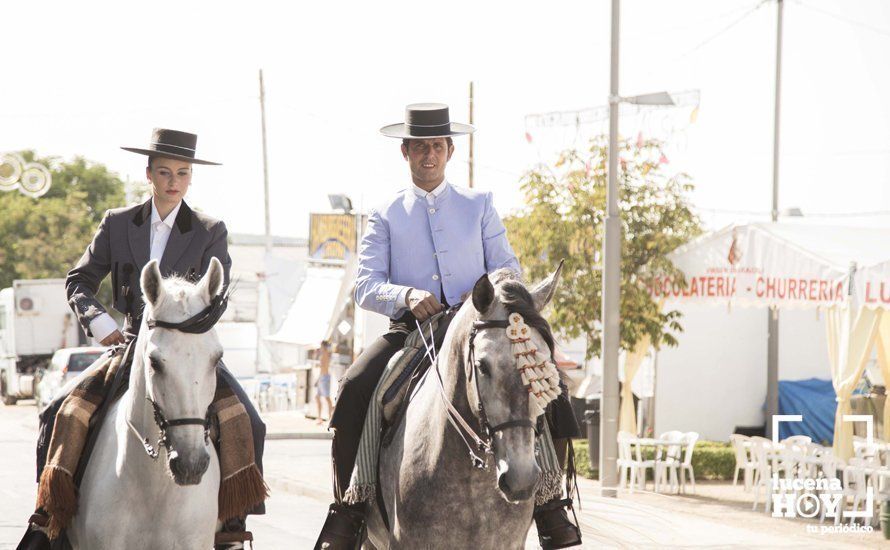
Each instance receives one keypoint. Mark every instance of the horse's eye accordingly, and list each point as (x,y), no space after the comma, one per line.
(482,367)
(156,365)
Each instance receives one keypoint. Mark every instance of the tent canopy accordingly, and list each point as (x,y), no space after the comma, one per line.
(845,270)
(308,318)
(784,265)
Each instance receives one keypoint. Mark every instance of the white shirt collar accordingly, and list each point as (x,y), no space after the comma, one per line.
(169,220)
(435,192)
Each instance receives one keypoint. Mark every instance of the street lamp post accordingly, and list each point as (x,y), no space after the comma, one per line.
(612,274)
(772,348)
(611,287)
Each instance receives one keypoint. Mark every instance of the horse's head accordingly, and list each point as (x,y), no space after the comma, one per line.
(180,367)
(504,394)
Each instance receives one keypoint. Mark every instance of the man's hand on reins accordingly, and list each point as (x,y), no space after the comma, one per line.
(114,338)
(423,304)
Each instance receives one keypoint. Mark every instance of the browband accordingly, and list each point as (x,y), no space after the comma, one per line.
(200,322)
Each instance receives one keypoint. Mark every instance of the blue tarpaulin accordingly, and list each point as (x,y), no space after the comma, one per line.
(815,400)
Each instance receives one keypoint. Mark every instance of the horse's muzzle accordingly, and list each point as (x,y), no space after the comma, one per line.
(188,468)
(517,486)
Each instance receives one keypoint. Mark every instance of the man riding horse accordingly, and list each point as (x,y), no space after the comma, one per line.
(422,250)
(165,229)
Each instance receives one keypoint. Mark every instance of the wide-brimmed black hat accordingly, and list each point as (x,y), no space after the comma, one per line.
(424,121)
(171,144)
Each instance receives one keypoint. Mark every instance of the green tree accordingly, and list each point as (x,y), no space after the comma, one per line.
(564,219)
(44,238)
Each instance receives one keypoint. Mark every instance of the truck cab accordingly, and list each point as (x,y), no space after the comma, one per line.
(34,322)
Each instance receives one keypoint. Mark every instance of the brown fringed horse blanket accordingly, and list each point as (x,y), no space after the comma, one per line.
(242,486)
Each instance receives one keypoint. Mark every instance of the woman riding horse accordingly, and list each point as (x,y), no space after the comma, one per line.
(184,242)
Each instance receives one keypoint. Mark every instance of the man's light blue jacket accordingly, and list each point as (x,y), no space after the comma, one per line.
(443,248)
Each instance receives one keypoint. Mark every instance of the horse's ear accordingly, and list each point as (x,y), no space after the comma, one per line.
(483,294)
(151,282)
(212,282)
(543,293)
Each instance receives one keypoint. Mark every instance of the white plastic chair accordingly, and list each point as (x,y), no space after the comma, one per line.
(630,461)
(743,460)
(856,483)
(689,440)
(667,461)
(862,449)
(763,470)
(798,440)
(792,461)
(827,468)
(814,453)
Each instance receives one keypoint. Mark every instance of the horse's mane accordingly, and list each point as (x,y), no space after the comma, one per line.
(517,299)
(176,289)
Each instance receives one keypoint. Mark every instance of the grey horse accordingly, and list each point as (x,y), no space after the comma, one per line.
(434,496)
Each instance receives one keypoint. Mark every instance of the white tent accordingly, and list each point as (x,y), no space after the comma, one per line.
(842,272)
(309,317)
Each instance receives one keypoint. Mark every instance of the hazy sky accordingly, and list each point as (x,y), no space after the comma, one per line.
(83,78)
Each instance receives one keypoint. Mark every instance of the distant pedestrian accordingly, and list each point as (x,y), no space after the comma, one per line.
(323,385)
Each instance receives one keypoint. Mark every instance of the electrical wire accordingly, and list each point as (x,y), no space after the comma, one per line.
(864,214)
(860,24)
(725,29)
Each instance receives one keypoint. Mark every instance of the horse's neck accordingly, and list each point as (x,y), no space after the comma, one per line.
(451,369)
(137,407)
(136,411)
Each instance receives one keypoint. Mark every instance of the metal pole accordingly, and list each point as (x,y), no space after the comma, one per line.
(772,360)
(611,288)
(264,313)
(265,164)
(471,136)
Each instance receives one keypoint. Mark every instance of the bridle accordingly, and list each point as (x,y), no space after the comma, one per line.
(199,323)
(482,444)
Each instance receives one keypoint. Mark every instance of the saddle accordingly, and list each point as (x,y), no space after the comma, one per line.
(407,368)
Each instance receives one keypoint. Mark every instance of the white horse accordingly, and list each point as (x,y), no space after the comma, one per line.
(128,499)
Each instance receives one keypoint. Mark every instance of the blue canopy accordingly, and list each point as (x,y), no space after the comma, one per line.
(815,400)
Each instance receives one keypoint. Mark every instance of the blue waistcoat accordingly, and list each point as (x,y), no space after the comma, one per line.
(442,248)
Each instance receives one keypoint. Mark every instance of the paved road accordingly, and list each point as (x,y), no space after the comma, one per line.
(292,520)
(298,472)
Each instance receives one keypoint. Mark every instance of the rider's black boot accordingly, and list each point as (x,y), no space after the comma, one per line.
(555,530)
(35,538)
(344,528)
(233,535)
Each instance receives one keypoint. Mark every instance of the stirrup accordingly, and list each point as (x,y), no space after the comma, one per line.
(344,529)
(555,530)
(232,540)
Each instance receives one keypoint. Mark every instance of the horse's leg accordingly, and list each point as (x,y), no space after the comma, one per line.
(376,534)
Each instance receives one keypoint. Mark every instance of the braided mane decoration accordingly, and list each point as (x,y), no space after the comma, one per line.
(539,374)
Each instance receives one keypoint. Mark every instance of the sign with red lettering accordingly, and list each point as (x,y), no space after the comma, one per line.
(749,265)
